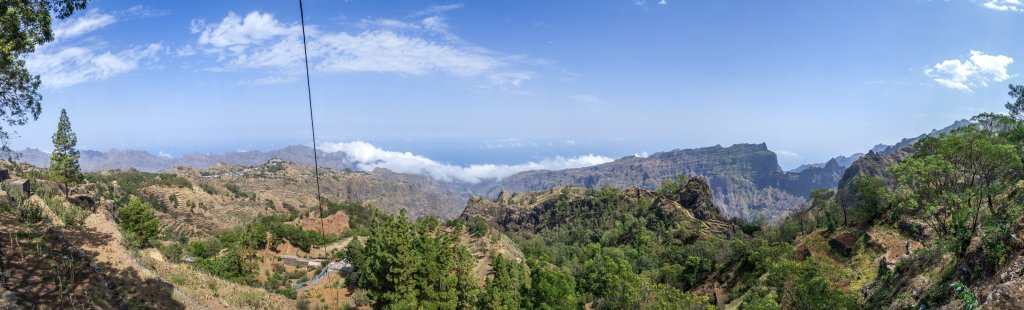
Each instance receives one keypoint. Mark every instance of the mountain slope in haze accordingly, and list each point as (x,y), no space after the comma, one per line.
(847,161)
(148,162)
(842,160)
(746,179)
(284,181)
(888,149)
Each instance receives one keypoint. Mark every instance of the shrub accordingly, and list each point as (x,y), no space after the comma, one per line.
(30,212)
(155,202)
(360,297)
(70,214)
(138,223)
(209,189)
(14,192)
(236,190)
(173,251)
(478,227)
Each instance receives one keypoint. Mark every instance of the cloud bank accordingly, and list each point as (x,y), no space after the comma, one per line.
(976,71)
(367,157)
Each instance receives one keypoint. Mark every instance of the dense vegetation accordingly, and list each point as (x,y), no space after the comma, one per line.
(407,265)
(360,216)
(958,195)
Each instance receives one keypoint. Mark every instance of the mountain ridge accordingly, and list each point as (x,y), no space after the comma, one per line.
(745,179)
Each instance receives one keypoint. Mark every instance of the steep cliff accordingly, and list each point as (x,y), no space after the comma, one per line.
(745,179)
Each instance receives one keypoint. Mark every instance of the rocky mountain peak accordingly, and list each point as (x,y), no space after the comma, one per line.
(697,197)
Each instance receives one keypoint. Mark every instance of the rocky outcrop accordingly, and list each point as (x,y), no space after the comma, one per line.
(1009,295)
(875,164)
(696,197)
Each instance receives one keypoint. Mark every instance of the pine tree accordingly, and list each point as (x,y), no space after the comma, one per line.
(64,166)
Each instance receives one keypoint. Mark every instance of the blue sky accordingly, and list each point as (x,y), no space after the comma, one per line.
(508,82)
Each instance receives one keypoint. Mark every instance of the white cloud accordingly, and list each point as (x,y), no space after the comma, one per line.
(436,24)
(976,71)
(163,154)
(66,61)
(186,50)
(1004,5)
(91,21)
(236,33)
(74,65)
(788,154)
(141,11)
(368,157)
(388,51)
(259,41)
(438,9)
(387,23)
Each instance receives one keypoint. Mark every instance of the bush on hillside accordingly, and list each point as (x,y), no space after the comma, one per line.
(138,223)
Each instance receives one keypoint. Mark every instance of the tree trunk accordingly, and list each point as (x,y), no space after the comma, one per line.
(844,216)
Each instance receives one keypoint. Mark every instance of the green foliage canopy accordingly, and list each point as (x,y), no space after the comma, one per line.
(64,167)
(23,26)
(138,223)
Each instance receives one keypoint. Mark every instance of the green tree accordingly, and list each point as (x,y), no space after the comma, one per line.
(64,168)
(413,265)
(823,202)
(138,222)
(1016,104)
(871,195)
(506,289)
(23,26)
(612,281)
(810,284)
(950,179)
(551,288)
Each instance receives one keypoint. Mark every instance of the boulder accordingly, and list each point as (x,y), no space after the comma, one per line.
(23,184)
(843,243)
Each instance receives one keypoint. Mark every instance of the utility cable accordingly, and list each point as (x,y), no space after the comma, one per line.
(316,161)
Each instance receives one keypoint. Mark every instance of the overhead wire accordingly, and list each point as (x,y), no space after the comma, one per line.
(316,161)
